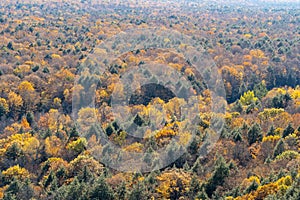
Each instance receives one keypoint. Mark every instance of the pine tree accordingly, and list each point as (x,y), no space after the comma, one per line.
(49,180)
(288,130)
(10,46)
(13,152)
(197,167)
(86,175)
(260,90)
(254,134)
(13,188)
(75,190)
(194,146)
(101,190)
(279,148)
(194,188)
(186,166)
(238,107)
(73,133)
(202,195)
(138,120)
(30,118)
(218,177)
(138,192)
(237,135)
(271,131)
(121,192)
(252,187)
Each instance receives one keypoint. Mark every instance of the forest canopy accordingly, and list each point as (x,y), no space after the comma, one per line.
(60,106)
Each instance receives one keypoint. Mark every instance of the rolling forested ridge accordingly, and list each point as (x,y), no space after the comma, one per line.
(149,100)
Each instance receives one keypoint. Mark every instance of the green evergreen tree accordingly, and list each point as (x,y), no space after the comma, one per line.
(237,135)
(202,195)
(30,118)
(260,90)
(218,177)
(197,167)
(101,190)
(186,166)
(238,107)
(195,187)
(121,192)
(193,148)
(279,148)
(73,133)
(3,110)
(13,152)
(271,131)
(13,188)
(49,180)
(86,175)
(74,191)
(252,187)
(109,130)
(254,134)
(19,190)
(288,130)
(137,192)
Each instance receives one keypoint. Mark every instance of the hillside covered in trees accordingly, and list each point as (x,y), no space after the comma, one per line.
(106,100)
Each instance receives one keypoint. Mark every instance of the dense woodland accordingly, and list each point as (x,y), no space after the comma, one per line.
(43,47)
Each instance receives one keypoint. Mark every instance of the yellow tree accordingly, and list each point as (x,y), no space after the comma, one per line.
(248,98)
(28,94)
(53,146)
(173,184)
(3,107)
(16,172)
(15,103)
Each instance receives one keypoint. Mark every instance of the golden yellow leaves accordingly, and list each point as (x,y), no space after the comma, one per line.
(55,163)
(25,86)
(247,35)
(280,185)
(120,138)
(248,98)
(289,155)
(54,120)
(77,165)
(271,138)
(15,101)
(257,53)
(135,147)
(57,102)
(170,130)
(12,129)
(28,94)
(165,133)
(2,192)
(65,74)
(26,142)
(268,113)
(16,172)
(78,145)
(53,146)
(247,182)
(24,123)
(169,182)
(185,138)
(295,94)
(55,56)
